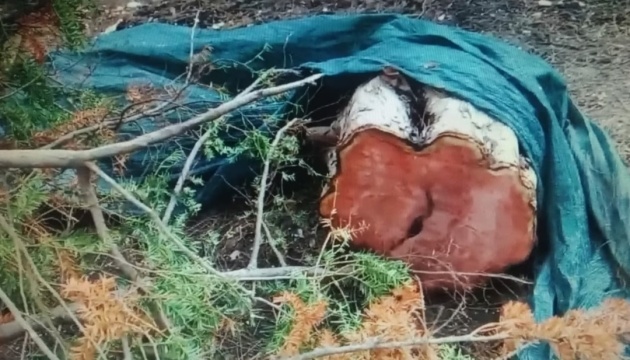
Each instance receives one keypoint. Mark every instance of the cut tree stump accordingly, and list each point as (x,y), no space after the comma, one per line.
(449,193)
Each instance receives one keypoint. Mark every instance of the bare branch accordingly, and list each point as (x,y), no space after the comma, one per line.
(14,329)
(184,175)
(101,229)
(155,217)
(8,229)
(26,326)
(126,348)
(376,343)
(76,158)
(193,153)
(273,246)
(91,200)
(284,272)
(191,64)
(253,261)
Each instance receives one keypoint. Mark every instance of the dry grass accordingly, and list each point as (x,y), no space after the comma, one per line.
(37,33)
(80,119)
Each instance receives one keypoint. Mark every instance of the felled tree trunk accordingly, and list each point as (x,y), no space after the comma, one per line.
(443,188)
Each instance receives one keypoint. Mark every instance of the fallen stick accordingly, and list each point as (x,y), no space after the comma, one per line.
(193,153)
(14,329)
(76,158)
(102,231)
(25,324)
(21,247)
(377,343)
(283,272)
(258,238)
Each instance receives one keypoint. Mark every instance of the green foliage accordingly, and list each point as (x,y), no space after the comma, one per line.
(30,102)
(71,15)
(28,197)
(31,107)
(452,352)
(33,104)
(376,276)
(307,288)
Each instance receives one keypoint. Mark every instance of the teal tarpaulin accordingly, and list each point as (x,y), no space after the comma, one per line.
(584,192)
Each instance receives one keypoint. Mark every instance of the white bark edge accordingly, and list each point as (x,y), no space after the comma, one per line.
(376,105)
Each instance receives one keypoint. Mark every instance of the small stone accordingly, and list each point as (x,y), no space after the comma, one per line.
(234,255)
(134,5)
(545,3)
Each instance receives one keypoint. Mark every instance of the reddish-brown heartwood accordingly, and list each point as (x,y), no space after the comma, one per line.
(440,208)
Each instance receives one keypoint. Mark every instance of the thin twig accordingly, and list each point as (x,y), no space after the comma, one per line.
(273,246)
(170,207)
(154,216)
(377,343)
(126,348)
(8,229)
(22,87)
(14,329)
(105,124)
(253,261)
(193,153)
(18,317)
(76,158)
(191,64)
(102,231)
(285,272)
(184,175)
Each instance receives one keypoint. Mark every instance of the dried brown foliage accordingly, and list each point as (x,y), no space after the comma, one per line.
(80,119)
(107,314)
(37,33)
(396,317)
(120,163)
(144,96)
(306,318)
(6,317)
(66,260)
(68,267)
(579,334)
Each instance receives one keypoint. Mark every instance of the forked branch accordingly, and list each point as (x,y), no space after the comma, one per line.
(77,158)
